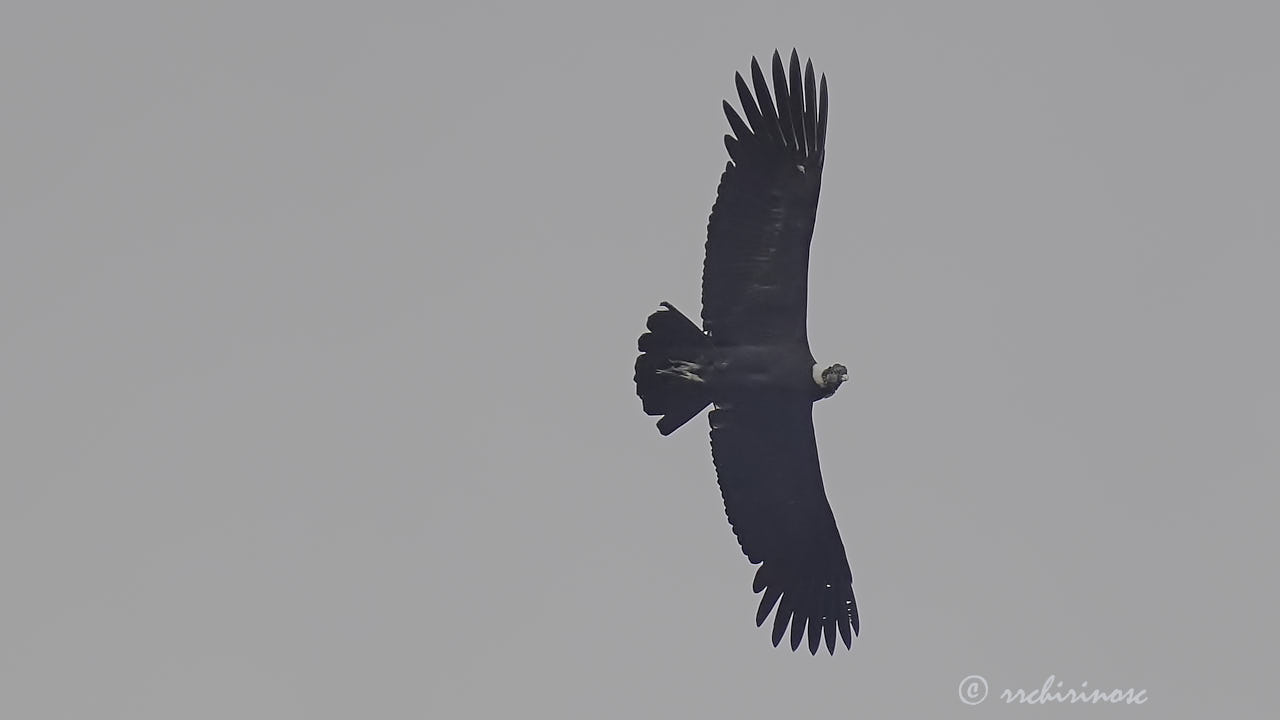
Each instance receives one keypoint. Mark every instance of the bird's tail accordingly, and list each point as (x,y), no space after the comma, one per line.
(671,369)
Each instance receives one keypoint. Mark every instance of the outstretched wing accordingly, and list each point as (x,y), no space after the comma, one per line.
(755,277)
(767,461)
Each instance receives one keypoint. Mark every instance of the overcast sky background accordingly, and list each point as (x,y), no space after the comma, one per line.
(317,326)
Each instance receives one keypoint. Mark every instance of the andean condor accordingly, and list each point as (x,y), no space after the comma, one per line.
(751,358)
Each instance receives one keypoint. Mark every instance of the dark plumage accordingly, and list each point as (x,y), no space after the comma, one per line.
(751,358)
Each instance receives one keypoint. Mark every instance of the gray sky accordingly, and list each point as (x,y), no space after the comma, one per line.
(317,327)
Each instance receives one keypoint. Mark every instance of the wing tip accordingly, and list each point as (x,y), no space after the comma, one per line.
(824,617)
(793,117)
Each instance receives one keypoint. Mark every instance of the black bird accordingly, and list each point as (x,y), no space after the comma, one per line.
(751,358)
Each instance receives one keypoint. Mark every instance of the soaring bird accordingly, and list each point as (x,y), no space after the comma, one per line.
(751,357)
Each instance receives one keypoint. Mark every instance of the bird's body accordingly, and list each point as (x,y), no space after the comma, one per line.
(751,357)
(763,368)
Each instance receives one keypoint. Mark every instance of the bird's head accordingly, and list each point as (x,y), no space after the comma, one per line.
(830,379)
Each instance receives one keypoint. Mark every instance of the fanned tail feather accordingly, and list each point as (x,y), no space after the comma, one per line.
(669,372)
